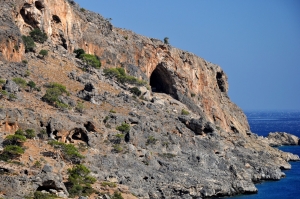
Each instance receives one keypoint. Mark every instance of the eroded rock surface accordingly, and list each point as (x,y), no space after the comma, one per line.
(207,151)
(282,138)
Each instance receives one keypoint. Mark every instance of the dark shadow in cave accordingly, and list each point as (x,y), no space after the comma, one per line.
(161,81)
(30,20)
(79,134)
(39,5)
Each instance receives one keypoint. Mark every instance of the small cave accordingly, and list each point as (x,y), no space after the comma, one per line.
(78,134)
(90,126)
(47,185)
(27,16)
(64,42)
(56,19)
(161,81)
(221,81)
(39,5)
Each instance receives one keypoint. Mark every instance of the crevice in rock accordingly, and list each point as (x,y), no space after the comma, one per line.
(39,5)
(90,126)
(221,81)
(56,19)
(161,81)
(27,16)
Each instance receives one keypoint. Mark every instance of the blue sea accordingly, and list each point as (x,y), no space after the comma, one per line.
(261,123)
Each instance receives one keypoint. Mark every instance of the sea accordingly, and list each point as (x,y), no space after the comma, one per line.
(261,123)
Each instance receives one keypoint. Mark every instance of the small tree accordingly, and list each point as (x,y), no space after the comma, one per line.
(166,40)
(43,52)
(125,128)
(80,181)
(91,60)
(28,43)
(38,36)
(31,85)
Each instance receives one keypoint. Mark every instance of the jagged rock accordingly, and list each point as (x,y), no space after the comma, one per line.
(11,87)
(47,169)
(282,138)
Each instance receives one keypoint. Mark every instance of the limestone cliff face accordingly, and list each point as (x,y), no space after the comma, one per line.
(190,79)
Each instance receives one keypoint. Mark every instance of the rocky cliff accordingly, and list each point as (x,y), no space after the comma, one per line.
(186,139)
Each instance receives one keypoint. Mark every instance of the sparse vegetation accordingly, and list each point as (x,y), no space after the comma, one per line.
(80,181)
(38,36)
(28,43)
(82,9)
(41,195)
(108,184)
(118,148)
(53,92)
(2,81)
(43,53)
(193,94)
(24,61)
(112,111)
(29,133)
(184,112)
(167,155)
(79,107)
(91,60)
(120,75)
(136,91)
(125,128)
(117,195)
(37,164)
(20,81)
(31,85)
(151,140)
(70,152)
(12,97)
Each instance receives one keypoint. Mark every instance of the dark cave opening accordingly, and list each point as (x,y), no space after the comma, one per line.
(221,81)
(39,5)
(28,18)
(161,81)
(56,19)
(79,134)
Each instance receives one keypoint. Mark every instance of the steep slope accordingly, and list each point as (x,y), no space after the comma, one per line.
(166,153)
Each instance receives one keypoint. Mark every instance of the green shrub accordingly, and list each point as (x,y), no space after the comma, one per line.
(184,112)
(43,52)
(31,84)
(80,181)
(120,75)
(136,91)
(28,43)
(70,152)
(27,73)
(79,52)
(2,81)
(120,136)
(117,195)
(167,155)
(166,40)
(37,164)
(53,92)
(125,128)
(12,97)
(91,60)
(38,36)
(40,195)
(82,9)
(29,133)
(4,92)
(117,148)
(193,94)
(108,184)
(15,139)
(151,140)
(19,132)
(112,111)
(12,151)
(79,107)
(20,81)
(24,61)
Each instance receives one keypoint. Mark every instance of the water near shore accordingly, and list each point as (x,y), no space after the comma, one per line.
(262,123)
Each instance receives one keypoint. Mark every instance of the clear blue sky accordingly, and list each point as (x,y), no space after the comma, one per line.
(256,42)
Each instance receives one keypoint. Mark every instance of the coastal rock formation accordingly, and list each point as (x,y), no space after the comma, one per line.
(181,137)
(282,138)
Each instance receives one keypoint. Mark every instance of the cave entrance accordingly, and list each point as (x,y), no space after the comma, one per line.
(161,81)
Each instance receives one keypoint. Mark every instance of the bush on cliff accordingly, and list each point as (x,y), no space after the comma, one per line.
(28,43)
(53,92)
(80,181)
(120,75)
(38,36)
(91,60)
(70,152)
